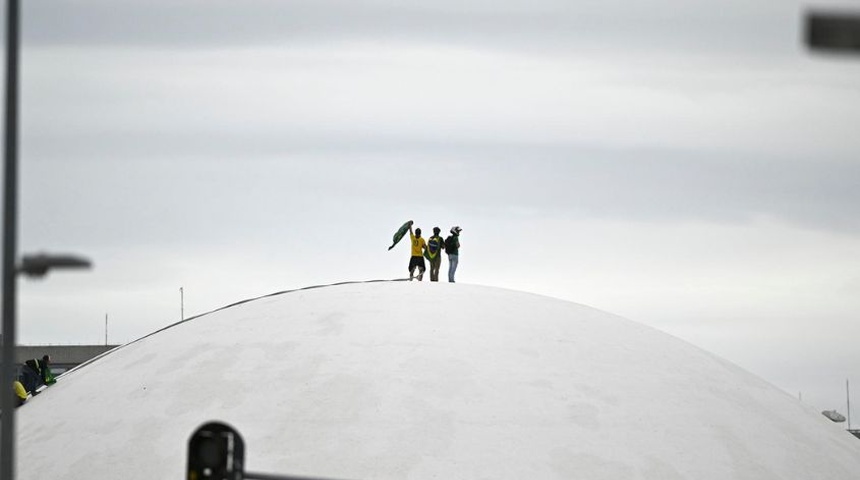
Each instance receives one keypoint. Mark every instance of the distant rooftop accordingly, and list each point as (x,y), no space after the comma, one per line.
(61,355)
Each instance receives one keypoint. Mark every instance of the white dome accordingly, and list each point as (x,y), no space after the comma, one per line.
(400,380)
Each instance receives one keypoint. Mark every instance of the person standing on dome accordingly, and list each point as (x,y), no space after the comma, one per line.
(452,248)
(434,253)
(418,248)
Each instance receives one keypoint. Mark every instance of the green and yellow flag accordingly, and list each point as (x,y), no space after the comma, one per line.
(400,233)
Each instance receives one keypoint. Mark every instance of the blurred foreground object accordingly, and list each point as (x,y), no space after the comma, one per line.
(216,451)
(833,31)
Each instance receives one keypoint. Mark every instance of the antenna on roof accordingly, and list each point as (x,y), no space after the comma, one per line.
(848,403)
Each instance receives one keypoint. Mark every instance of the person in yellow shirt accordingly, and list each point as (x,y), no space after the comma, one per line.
(20,393)
(417,259)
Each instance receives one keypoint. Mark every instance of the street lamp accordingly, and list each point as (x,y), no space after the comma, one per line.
(38,265)
(31,265)
(10,234)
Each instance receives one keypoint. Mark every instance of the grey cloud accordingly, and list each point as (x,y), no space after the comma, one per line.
(647,185)
(137,144)
(512,25)
(148,200)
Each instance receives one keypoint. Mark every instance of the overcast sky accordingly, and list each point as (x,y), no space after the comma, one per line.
(686,164)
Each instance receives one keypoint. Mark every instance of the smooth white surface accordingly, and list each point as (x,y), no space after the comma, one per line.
(419,380)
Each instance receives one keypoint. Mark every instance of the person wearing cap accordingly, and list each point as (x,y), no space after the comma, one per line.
(434,253)
(452,248)
(417,259)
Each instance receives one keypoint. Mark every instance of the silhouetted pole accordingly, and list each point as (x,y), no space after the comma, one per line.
(181,305)
(10,235)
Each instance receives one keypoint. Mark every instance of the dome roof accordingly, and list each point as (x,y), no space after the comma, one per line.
(396,380)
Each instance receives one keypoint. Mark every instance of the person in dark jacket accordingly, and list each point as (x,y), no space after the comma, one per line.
(43,369)
(452,248)
(30,378)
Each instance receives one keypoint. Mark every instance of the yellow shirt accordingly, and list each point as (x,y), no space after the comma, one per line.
(418,245)
(19,390)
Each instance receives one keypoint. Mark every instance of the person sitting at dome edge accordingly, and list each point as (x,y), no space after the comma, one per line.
(417,259)
(43,370)
(20,393)
(452,248)
(30,378)
(434,253)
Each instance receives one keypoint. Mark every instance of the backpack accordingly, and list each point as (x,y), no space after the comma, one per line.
(450,244)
